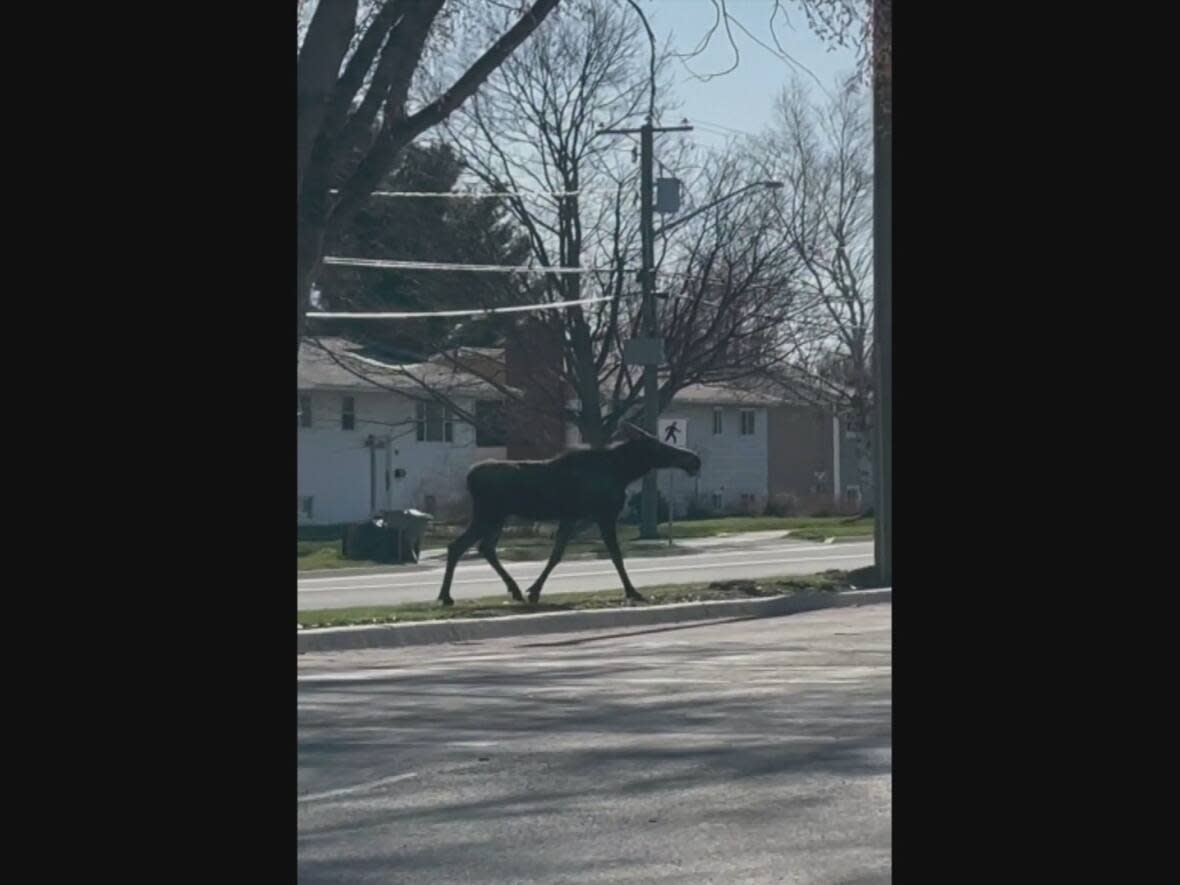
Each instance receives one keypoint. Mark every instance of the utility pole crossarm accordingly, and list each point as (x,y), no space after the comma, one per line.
(640,130)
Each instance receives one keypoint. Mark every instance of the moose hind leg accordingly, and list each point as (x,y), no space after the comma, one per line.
(607,527)
(488,548)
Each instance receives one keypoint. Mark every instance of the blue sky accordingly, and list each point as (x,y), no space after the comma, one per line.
(744,98)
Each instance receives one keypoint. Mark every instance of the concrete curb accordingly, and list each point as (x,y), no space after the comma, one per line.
(471,630)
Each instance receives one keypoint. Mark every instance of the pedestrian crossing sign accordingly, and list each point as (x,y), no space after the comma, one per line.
(674,431)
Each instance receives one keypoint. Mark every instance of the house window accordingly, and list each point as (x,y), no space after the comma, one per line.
(429,504)
(747,422)
(716,420)
(716,500)
(435,423)
(347,413)
(489,428)
(304,410)
(305,506)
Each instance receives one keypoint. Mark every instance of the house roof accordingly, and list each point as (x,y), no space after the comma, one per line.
(724,395)
(318,369)
(331,370)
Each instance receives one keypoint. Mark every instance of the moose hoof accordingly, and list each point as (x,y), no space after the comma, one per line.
(445,601)
(636,599)
(516,595)
(534,597)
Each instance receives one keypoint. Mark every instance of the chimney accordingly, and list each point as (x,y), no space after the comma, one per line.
(533,362)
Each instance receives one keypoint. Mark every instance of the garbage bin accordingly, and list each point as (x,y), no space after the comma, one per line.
(409,526)
(369,541)
(393,536)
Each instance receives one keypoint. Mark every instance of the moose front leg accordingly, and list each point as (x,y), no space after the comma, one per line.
(607,527)
(456,549)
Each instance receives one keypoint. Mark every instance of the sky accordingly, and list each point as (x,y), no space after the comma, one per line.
(742,99)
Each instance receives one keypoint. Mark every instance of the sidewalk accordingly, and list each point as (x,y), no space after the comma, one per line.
(435,557)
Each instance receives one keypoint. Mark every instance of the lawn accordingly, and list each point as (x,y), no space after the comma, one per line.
(319,546)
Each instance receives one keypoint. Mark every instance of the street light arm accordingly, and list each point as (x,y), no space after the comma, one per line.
(772,185)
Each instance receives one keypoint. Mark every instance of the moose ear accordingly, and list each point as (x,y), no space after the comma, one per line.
(634,431)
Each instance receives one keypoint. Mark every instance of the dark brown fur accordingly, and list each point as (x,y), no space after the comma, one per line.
(572,488)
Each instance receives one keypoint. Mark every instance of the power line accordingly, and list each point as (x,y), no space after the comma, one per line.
(426,314)
(486,195)
(385,264)
(718,129)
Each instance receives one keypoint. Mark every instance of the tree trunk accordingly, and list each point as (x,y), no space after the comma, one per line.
(325,45)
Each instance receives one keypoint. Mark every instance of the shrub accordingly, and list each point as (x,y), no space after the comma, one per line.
(633,511)
(782,504)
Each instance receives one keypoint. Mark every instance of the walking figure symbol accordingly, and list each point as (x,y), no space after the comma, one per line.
(671,434)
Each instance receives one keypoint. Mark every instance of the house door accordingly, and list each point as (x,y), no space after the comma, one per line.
(395,487)
(387,477)
(380,473)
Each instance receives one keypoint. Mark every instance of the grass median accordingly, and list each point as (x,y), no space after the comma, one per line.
(500,606)
(320,547)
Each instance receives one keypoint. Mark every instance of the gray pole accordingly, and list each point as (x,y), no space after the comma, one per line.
(883,282)
(651,381)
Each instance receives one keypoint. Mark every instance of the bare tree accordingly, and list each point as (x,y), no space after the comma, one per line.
(729,275)
(531,133)
(357,63)
(824,155)
(840,23)
(533,130)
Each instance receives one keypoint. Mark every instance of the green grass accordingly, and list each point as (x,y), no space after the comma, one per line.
(326,555)
(500,606)
(319,546)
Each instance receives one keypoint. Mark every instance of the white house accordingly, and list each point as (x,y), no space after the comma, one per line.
(729,430)
(362,449)
(755,446)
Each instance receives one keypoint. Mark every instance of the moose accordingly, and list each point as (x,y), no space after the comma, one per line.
(573,488)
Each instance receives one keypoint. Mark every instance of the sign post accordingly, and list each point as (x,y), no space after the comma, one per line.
(674,432)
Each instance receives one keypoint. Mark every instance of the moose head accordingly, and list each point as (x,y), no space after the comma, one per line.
(659,454)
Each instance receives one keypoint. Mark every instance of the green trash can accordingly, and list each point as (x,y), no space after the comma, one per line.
(408,526)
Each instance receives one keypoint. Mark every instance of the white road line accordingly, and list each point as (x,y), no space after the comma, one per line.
(359,788)
(539,564)
(494,579)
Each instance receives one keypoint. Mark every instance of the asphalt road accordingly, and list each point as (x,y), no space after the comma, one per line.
(735,752)
(473,578)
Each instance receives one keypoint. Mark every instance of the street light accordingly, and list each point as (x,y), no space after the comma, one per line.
(651,346)
(649,512)
(769,185)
